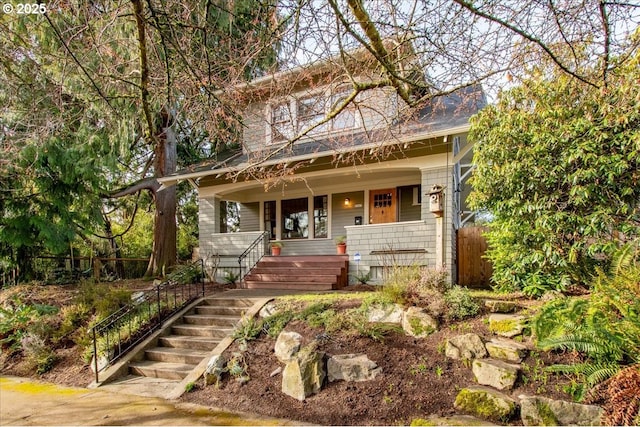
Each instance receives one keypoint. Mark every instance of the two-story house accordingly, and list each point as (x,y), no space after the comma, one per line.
(366,173)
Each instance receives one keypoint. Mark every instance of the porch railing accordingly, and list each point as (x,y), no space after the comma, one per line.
(114,336)
(253,254)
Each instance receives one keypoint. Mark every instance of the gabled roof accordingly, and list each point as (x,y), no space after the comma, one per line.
(440,116)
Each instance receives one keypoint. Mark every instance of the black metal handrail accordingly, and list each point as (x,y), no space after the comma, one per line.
(122,330)
(253,253)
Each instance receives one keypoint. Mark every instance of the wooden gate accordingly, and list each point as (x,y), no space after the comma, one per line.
(474,271)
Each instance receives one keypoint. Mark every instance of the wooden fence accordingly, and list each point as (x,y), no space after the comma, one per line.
(474,271)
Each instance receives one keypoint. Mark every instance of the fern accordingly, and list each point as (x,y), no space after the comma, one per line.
(605,327)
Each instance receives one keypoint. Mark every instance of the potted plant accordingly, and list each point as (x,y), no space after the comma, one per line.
(276,247)
(341,244)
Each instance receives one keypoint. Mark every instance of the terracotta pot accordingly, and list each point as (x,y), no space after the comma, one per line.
(275,250)
(341,248)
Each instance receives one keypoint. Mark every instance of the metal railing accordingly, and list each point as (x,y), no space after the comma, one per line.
(253,254)
(114,336)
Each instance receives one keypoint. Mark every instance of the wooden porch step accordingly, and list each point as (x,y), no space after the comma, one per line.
(166,370)
(290,285)
(297,277)
(308,272)
(189,342)
(175,355)
(312,258)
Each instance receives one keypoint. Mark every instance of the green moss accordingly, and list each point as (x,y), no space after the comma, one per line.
(422,422)
(482,404)
(546,414)
(419,328)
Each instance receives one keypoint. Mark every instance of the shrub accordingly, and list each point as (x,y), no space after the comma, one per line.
(248,329)
(460,303)
(38,354)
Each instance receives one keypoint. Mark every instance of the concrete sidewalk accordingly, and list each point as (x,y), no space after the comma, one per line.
(27,402)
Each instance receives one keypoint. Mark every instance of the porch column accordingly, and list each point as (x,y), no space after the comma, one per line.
(208,216)
(439,229)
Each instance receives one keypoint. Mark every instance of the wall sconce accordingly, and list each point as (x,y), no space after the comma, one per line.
(347,201)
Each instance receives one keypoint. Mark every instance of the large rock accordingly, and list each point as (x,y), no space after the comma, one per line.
(495,373)
(215,369)
(418,323)
(485,403)
(541,411)
(455,420)
(391,313)
(351,367)
(499,306)
(506,325)
(508,350)
(465,347)
(304,374)
(268,310)
(287,345)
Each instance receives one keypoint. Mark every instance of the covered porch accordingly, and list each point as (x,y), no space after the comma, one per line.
(382,209)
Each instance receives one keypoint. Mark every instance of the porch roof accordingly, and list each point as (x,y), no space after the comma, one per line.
(442,116)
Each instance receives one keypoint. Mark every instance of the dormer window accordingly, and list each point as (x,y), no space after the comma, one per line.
(297,115)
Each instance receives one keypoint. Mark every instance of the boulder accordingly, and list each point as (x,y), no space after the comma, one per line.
(541,411)
(215,369)
(391,313)
(269,309)
(465,347)
(495,373)
(499,306)
(304,374)
(351,367)
(418,323)
(506,325)
(287,345)
(455,420)
(508,350)
(551,295)
(485,403)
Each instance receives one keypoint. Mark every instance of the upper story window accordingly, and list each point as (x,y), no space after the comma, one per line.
(282,122)
(297,115)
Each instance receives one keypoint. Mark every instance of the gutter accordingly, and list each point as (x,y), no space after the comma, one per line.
(168,181)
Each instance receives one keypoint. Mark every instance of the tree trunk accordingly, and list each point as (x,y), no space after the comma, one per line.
(164,254)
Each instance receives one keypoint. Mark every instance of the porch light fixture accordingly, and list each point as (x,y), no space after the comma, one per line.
(347,201)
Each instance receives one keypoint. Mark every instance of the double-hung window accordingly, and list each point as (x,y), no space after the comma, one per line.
(311,110)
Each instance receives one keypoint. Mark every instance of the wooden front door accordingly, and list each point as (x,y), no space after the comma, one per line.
(382,206)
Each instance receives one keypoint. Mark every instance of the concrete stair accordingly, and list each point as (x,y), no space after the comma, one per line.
(190,339)
(317,272)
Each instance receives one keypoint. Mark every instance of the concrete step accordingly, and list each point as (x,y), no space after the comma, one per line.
(200,331)
(286,285)
(185,356)
(166,370)
(211,320)
(227,302)
(189,342)
(218,310)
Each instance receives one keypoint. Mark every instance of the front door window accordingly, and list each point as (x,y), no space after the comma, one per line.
(382,206)
(295,218)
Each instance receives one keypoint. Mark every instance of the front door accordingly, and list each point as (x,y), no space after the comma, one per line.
(382,206)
